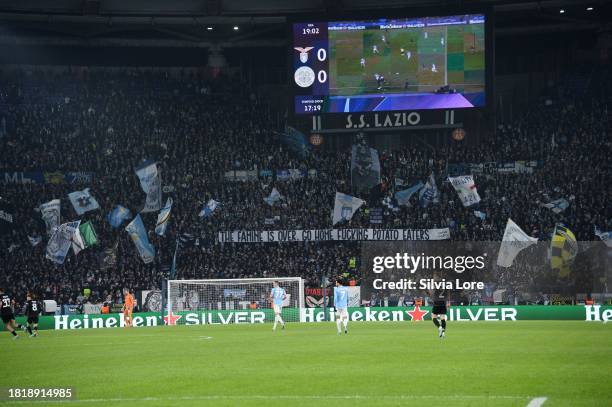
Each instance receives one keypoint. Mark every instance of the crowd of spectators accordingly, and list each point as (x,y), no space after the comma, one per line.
(108,122)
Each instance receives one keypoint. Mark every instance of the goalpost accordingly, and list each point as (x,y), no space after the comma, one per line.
(225,301)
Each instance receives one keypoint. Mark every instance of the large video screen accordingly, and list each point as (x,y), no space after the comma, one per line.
(386,65)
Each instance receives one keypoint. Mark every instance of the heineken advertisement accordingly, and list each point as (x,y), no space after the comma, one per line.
(602,313)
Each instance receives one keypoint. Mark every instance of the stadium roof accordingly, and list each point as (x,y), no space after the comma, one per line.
(243,23)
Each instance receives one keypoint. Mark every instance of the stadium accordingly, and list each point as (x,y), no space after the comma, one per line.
(306,202)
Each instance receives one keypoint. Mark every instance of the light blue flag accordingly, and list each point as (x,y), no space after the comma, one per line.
(209,208)
(138,234)
(60,242)
(345,207)
(429,193)
(480,215)
(403,197)
(163,218)
(558,205)
(118,215)
(274,197)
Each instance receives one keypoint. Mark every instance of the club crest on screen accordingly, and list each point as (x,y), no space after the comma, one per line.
(303,53)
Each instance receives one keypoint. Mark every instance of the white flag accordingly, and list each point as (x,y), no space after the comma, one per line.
(345,207)
(34,240)
(82,201)
(50,212)
(466,189)
(273,198)
(77,240)
(514,240)
(150,182)
(60,242)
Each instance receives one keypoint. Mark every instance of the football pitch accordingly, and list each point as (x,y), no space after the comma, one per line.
(376,364)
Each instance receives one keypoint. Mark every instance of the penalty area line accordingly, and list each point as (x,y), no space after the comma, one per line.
(283,397)
(537,402)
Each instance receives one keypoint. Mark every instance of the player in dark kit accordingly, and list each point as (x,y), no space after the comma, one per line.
(33,310)
(6,311)
(438,313)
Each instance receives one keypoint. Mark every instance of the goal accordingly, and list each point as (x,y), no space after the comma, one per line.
(228,301)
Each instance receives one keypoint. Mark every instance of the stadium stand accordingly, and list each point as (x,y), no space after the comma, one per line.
(107,122)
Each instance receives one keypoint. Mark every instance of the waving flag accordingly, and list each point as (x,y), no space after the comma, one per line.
(466,189)
(35,240)
(274,197)
(558,205)
(429,194)
(77,241)
(83,201)
(7,218)
(403,197)
(163,218)
(480,215)
(118,215)
(50,213)
(84,237)
(150,182)
(606,237)
(88,234)
(514,240)
(365,167)
(60,242)
(345,207)
(563,250)
(138,234)
(209,208)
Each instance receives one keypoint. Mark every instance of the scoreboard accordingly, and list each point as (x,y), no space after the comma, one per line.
(383,65)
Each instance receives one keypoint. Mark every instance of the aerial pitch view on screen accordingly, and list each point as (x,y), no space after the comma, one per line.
(408,64)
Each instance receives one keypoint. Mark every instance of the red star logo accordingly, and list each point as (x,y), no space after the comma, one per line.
(171,319)
(417,314)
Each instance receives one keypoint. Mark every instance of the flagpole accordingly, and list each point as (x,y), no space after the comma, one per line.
(173,268)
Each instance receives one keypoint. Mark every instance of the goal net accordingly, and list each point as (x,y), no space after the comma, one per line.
(229,301)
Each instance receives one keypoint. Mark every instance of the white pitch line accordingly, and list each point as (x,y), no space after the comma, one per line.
(537,402)
(277,397)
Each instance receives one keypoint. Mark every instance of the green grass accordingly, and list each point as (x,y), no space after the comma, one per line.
(478,364)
